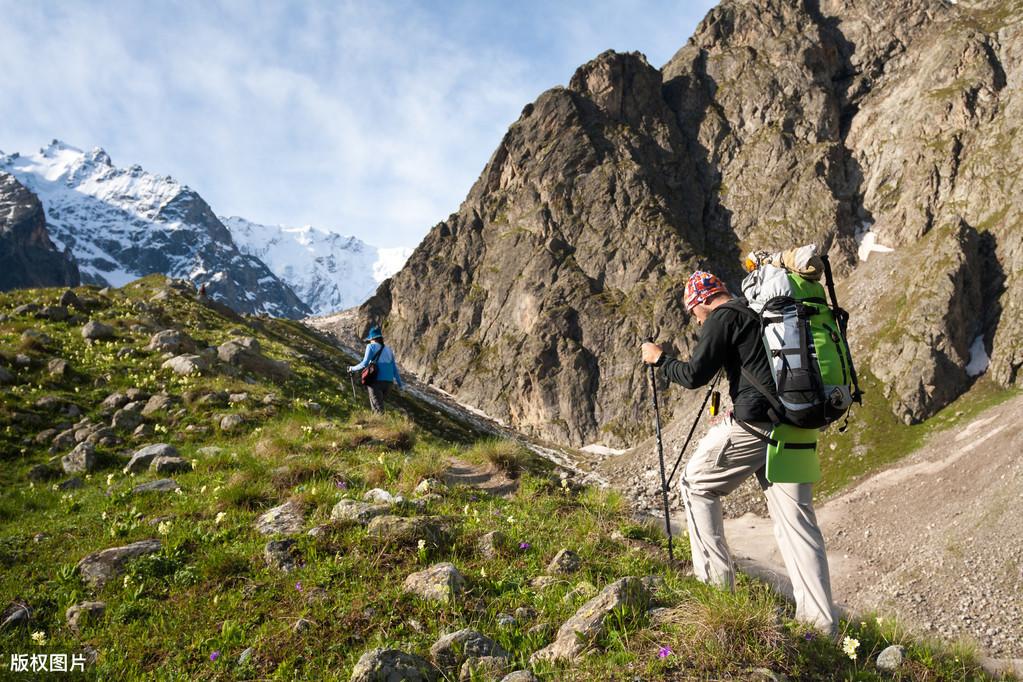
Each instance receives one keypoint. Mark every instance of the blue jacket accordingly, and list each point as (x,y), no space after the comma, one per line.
(387,369)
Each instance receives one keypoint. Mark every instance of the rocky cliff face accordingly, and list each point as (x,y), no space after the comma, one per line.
(855,124)
(28,258)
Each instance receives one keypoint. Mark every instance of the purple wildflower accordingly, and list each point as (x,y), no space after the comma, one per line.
(341,485)
(524,545)
(808,636)
(298,586)
(664,652)
(215,655)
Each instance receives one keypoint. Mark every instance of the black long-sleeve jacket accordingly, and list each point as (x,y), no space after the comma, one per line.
(730,338)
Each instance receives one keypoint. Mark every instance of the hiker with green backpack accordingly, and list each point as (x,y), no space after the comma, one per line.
(758,436)
(378,369)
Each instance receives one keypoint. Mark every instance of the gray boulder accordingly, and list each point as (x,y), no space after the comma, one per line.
(406,531)
(69,299)
(440,582)
(114,402)
(186,364)
(54,313)
(81,459)
(484,668)
(282,555)
(520,676)
(58,367)
(286,519)
(163,485)
(83,613)
(94,330)
(564,562)
(357,512)
(492,544)
(244,353)
(391,665)
(170,465)
(143,457)
(451,650)
(230,422)
(15,615)
(126,419)
(99,567)
(171,341)
(587,626)
(157,403)
(890,659)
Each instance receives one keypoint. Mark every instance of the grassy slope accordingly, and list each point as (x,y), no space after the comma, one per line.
(209,590)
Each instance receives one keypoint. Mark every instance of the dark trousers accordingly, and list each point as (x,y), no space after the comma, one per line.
(377,393)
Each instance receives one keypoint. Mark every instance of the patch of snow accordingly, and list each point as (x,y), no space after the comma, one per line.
(598,449)
(979,359)
(867,241)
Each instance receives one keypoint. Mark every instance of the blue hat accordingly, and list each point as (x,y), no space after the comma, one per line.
(374,333)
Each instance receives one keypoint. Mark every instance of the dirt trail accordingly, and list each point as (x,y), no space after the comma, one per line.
(936,541)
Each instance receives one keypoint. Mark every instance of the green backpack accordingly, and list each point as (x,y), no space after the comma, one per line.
(805,338)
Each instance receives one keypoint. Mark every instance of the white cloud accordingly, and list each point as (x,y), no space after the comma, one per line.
(369,118)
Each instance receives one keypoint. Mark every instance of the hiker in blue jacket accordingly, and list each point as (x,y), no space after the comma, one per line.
(382,358)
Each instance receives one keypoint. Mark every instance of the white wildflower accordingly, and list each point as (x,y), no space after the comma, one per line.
(39,638)
(849,646)
(422,545)
(220,517)
(202,490)
(164,528)
(110,479)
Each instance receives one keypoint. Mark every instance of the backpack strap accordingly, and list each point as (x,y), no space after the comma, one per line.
(776,409)
(377,356)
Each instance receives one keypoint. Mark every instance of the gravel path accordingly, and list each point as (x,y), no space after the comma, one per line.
(936,541)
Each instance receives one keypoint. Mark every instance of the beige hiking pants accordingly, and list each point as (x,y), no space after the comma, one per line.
(724,458)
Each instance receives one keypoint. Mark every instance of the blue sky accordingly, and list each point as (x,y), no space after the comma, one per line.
(367,118)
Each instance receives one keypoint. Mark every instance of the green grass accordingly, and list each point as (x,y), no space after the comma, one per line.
(875,438)
(209,590)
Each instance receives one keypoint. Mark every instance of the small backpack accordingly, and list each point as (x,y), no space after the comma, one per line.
(369,373)
(805,338)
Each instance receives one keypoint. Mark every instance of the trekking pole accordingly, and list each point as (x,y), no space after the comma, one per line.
(692,429)
(352,380)
(660,459)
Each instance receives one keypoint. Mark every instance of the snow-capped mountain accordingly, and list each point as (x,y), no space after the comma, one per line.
(328,271)
(121,224)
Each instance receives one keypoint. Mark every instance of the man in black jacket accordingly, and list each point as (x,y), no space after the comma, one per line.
(736,449)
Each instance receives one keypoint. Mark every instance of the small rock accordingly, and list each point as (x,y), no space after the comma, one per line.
(172,341)
(54,313)
(163,485)
(244,352)
(42,472)
(440,582)
(26,309)
(358,512)
(541,582)
(84,613)
(520,676)
(301,625)
(246,656)
(564,562)
(114,402)
(33,338)
(235,398)
(186,365)
(81,459)
(143,457)
(378,495)
(890,659)
(125,419)
(230,422)
(44,437)
(58,367)
(99,567)
(654,584)
(158,402)
(483,668)
(428,485)
(587,625)
(493,544)
(286,519)
(15,615)
(73,483)
(506,621)
(170,465)
(451,650)
(95,330)
(391,665)
(70,299)
(282,554)
(407,531)
(143,431)
(209,451)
